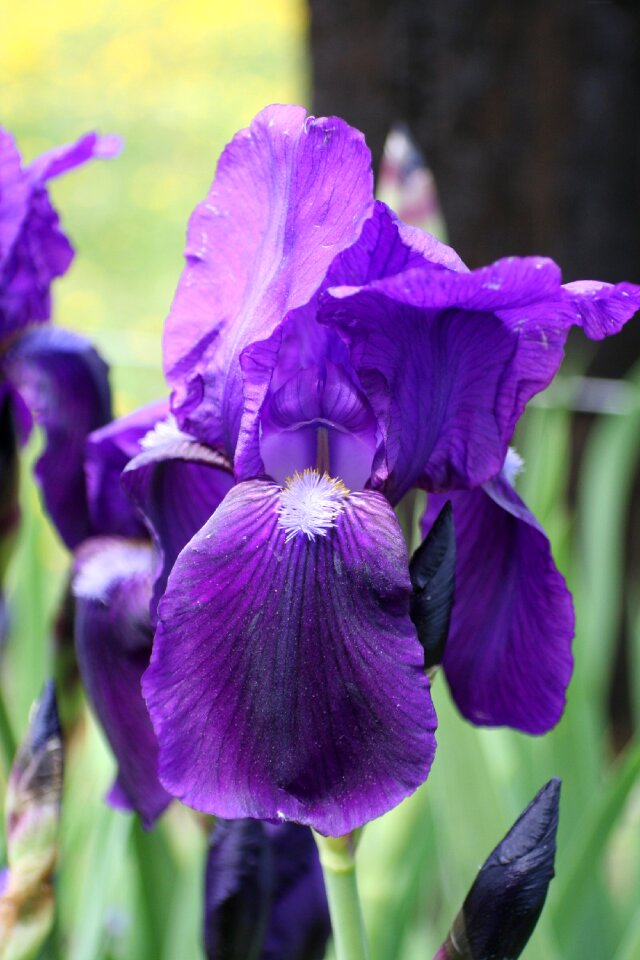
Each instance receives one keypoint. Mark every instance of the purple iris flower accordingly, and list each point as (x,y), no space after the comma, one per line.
(50,374)
(115,570)
(337,359)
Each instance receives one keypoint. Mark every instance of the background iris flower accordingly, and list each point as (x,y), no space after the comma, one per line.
(51,374)
(114,573)
(264,893)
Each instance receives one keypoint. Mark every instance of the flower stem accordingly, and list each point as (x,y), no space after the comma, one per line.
(337,857)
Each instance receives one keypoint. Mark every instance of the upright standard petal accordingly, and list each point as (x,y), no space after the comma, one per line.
(286,680)
(112,587)
(387,247)
(438,382)
(443,368)
(290,193)
(508,657)
(301,351)
(65,385)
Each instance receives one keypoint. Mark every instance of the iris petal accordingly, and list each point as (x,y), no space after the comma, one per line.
(14,194)
(257,247)
(65,385)
(108,451)
(176,485)
(40,252)
(440,386)
(286,679)
(112,587)
(319,398)
(264,894)
(299,927)
(384,248)
(508,657)
(238,890)
(387,247)
(460,354)
(602,308)
(59,160)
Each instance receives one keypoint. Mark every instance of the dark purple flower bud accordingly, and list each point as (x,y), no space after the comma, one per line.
(264,897)
(432,571)
(507,897)
(238,890)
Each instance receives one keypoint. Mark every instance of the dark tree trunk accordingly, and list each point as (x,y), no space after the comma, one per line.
(528,113)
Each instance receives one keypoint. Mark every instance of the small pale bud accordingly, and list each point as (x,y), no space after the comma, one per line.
(407,185)
(33,813)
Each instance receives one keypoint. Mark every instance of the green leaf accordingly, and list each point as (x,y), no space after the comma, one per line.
(577,870)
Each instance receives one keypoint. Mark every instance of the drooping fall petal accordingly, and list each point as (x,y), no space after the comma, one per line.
(287,679)
(508,657)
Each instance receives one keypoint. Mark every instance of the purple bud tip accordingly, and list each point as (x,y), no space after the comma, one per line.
(506,899)
(108,146)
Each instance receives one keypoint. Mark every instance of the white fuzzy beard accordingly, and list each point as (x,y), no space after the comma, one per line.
(165,431)
(310,503)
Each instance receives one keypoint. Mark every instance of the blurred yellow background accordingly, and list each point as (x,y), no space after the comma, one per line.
(175,81)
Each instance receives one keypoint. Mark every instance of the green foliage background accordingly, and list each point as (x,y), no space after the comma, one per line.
(176,81)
